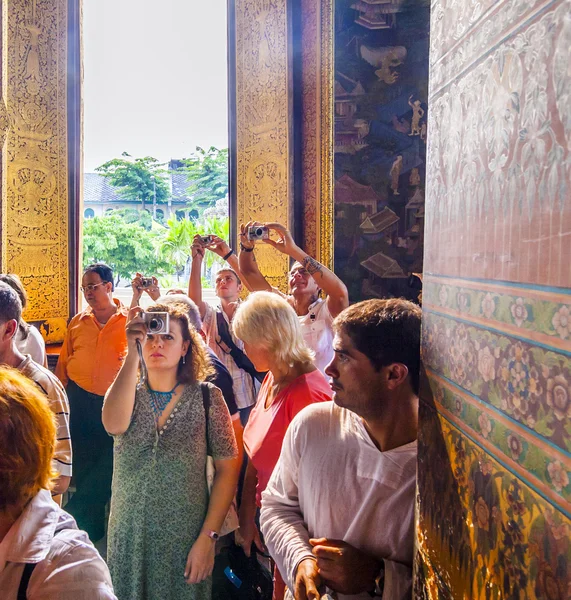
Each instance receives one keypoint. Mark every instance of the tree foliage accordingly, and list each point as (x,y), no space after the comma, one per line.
(207,171)
(125,247)
(174,248)
(137,179)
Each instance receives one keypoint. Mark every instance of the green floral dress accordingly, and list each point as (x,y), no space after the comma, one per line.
(160,497)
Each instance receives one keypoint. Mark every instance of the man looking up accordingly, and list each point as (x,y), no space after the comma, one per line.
(91,356)
(307,278)
(10,314)
(362,446)
(217,323)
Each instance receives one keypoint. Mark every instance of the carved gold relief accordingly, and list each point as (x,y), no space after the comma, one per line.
(263,113)
(317,128)
(34,122)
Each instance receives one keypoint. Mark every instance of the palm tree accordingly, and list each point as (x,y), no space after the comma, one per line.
(174,248)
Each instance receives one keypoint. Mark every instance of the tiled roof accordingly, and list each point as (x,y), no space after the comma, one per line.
(98,190)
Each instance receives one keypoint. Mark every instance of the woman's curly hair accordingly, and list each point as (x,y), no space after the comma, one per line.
(198,366)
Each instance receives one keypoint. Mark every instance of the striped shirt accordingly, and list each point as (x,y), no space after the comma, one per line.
(244,387)
(53,389)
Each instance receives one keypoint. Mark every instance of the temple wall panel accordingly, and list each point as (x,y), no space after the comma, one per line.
(495,516)
(264,122)
(34,176)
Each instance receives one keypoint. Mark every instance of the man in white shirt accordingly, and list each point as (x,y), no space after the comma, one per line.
(47,382)
(307,278)
(228,286)
(339,509)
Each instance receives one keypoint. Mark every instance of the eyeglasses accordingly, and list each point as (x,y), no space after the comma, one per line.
(90,287)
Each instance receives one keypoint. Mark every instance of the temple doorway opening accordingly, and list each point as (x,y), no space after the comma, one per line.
(155,170)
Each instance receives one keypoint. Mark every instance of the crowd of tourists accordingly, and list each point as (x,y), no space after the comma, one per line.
(280,426)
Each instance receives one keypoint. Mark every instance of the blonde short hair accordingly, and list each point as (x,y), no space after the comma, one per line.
(266,319)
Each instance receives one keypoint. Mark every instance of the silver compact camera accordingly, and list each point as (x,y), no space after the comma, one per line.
(206,239)
(258,232)
(146,282)
(157,322)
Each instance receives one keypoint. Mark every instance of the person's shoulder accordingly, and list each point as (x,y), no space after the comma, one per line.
(312,384)
(73,555)
(42,376)
(316,421)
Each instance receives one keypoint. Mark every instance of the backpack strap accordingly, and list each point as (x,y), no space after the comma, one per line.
(27,574)
(241,360)
(24,582)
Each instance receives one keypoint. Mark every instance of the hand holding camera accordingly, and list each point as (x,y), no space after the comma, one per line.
(211,242)
(142,284)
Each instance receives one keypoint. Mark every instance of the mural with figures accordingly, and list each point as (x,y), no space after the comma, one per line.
(381,92)
(496,397)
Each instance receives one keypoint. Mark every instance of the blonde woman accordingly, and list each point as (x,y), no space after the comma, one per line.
(274,342)
(163,525)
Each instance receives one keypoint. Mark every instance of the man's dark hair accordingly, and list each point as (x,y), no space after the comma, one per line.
(10,304)
(104,271)
(386,332)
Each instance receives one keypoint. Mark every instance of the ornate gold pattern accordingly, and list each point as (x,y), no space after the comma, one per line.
(33,120)
(263,122)
(317,128)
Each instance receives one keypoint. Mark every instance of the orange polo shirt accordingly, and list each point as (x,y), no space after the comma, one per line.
(92,354)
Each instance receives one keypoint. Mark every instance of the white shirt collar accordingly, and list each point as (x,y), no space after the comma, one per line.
(30,537)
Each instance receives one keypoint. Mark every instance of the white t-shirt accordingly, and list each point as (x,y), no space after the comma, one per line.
(332,481)
(317,328)
(33,345)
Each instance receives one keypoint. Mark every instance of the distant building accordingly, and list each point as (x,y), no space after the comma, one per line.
(100,197)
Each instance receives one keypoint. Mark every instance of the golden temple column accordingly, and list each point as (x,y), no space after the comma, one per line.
(34,175)
(263,122)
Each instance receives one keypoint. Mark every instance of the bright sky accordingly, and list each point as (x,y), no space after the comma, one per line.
(155,78)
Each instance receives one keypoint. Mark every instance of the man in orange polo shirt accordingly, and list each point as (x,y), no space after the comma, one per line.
(91,356)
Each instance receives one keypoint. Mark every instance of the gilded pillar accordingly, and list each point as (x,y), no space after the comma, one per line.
(317,128)
(34,173)
(263,122)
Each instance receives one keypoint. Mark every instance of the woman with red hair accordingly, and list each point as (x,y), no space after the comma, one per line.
(42,552)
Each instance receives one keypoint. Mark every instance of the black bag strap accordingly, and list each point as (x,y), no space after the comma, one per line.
(27,574)
(206,403)
(241,360)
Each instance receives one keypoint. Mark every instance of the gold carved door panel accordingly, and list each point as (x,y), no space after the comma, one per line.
(34,172)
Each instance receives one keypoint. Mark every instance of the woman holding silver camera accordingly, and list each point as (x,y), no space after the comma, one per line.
(163,525)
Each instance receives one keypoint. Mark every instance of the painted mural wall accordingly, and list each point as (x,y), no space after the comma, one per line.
(495,447)
(381,93)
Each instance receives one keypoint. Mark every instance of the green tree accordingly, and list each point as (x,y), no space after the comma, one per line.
(174,248)
(219,226)
(137,179)
(133,215)
(207,171)
(125,247)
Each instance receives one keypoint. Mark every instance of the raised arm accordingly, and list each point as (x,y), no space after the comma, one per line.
(337,295)
(222,249)
(153,290)
(120,397)
(195,281)
(248,265)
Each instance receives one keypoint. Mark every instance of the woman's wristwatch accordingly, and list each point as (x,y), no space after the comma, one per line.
(213,535)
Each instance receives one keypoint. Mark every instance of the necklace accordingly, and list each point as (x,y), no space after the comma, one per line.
(160,400)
